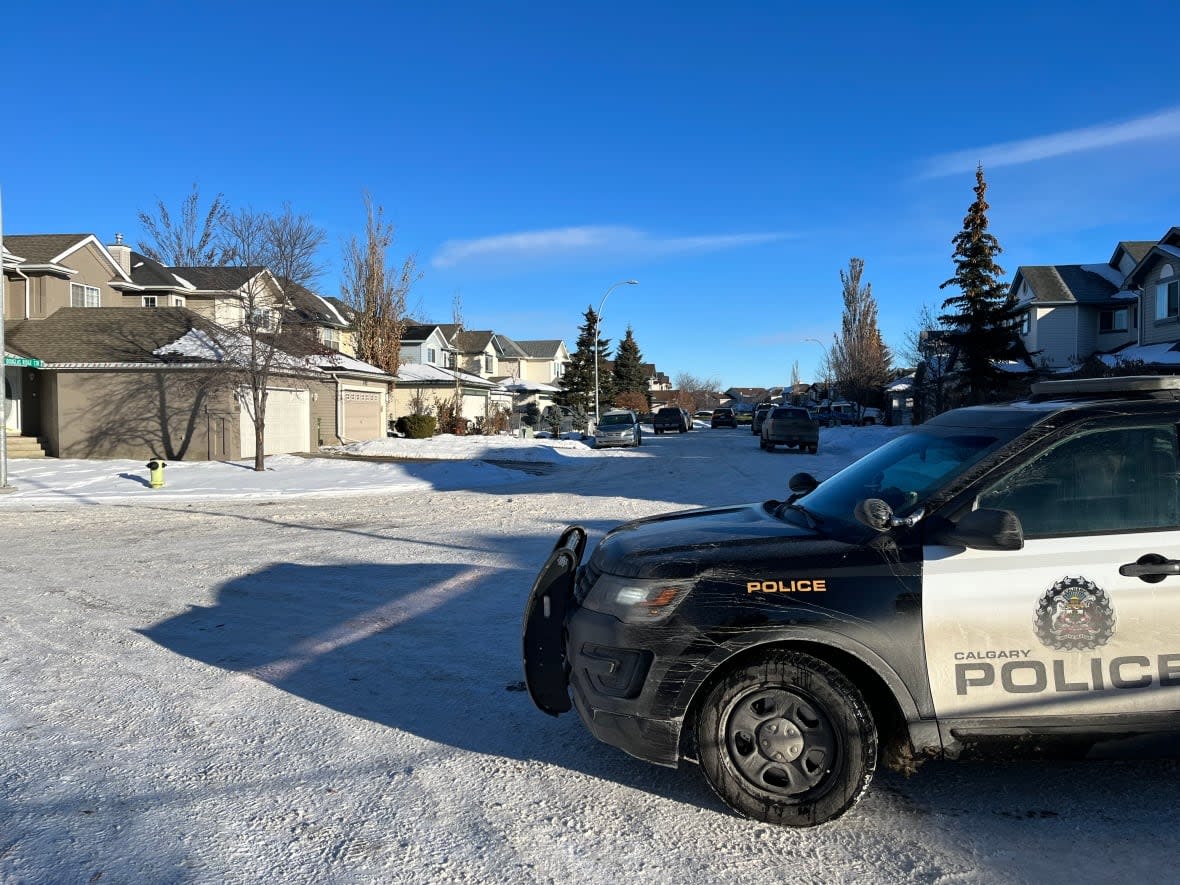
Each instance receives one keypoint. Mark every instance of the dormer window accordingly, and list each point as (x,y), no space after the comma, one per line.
(149,301)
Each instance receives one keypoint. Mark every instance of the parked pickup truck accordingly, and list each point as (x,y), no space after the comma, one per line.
(671,418)
(789,426)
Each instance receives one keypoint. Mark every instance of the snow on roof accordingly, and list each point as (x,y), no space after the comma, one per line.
(1110,274)
(524,384)
(1157,354)
(194,343)
(339,362)
(1171,250)
(428,373)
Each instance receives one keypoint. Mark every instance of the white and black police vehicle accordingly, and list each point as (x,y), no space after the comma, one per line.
(1000,572)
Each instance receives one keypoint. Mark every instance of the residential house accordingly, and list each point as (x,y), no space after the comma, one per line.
(1156,277)
(427,376)
(98,380)
(1075,310)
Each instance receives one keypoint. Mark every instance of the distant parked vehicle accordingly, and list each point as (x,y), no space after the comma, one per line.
(792,427)
(870,415)
(618,427)
(760,414)
(671,418)
(722,418)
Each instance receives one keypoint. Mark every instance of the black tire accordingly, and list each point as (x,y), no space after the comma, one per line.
(788,740)
(813,449)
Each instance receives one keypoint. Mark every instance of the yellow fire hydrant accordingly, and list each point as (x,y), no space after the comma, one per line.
(157,468)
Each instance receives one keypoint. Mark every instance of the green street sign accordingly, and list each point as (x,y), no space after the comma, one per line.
(10,360)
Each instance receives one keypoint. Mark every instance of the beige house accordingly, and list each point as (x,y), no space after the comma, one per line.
(85,376)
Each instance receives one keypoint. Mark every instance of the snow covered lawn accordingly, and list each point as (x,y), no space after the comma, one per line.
(312,674)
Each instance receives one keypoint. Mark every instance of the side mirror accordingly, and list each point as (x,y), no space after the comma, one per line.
(802,483)
(984,530)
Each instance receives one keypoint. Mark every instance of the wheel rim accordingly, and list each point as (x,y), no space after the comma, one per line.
(781,741)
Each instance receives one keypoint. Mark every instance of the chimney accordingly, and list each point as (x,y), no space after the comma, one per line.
(121,253)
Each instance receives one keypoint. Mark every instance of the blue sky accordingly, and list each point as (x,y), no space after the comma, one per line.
(730,157)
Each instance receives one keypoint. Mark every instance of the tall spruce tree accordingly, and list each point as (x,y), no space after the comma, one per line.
(628,374)
(577,384)
(860,359)
(982,318)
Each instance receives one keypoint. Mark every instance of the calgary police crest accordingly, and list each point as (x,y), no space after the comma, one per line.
(1074,614)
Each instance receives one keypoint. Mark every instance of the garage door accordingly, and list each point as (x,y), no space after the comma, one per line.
(288,423)
(362,415)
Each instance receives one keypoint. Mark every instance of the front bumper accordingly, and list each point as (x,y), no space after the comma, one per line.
(576,657)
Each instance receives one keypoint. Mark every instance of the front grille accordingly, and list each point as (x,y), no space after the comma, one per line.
(587,576)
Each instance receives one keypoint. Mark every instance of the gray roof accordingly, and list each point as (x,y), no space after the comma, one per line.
(224,279)
(472,342)
(418,332)
(509,349)
(40,248)
(310,307)
(541,350)
(106,334)
(1065,283)
(1137,249)
(148,272)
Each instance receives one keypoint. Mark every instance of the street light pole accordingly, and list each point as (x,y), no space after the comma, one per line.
(827,366)
(597,320)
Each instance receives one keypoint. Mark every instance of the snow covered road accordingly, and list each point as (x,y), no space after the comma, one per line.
(249,678)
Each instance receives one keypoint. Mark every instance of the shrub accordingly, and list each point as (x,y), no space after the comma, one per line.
(416,426)
(531,416)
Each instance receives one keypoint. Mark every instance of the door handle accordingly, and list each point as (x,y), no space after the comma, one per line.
(1151,567)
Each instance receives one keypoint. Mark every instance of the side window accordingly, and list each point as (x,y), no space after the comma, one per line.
(1115,480)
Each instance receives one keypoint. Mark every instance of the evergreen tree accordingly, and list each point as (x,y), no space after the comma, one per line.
(577,384)
(983,317)
(860,359)
(628,374)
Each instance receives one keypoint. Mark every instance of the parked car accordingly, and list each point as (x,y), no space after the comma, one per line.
(789,426)
(703,415)
(618,427)
(996,574)
(871,415)
(671,418)
(722,418)
(760,414)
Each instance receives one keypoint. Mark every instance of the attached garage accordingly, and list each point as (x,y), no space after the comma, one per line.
(287,425)
(362,414)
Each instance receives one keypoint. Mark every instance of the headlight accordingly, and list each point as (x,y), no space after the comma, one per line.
(635,601)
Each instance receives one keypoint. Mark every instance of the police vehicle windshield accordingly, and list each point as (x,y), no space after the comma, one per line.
(904,473)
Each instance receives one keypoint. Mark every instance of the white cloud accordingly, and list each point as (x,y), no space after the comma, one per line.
(1163,124)
(594,241)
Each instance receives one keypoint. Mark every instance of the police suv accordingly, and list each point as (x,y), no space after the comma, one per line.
(998,572)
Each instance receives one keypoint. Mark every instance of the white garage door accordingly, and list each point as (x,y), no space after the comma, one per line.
(362,415)
(288,423)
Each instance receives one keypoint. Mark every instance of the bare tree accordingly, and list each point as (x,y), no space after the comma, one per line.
(927,349)
(696,393)
(860,360)
(377,291)
(190,238)
(275,254)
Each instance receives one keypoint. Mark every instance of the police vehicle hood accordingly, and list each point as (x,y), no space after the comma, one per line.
(689,543)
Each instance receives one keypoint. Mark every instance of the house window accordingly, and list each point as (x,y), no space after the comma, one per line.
(178,301)
(331,338)
(1167,300)
(84,296)
(491,364)
(261,318)
(1114,320)
(1026,322)
(149,301)
(431,356)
